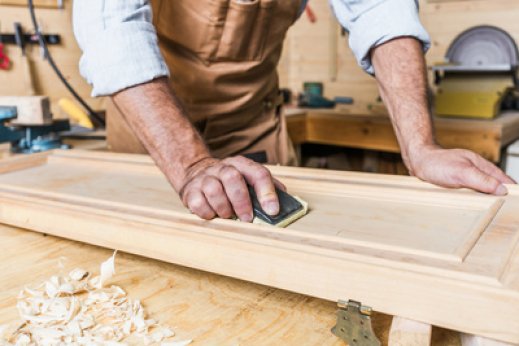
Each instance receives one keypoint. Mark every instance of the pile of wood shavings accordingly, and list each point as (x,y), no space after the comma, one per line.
(77,309)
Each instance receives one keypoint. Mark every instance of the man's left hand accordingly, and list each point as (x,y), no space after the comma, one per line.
(457,168)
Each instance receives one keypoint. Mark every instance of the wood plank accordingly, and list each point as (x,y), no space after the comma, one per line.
(375,132)
(211,309)
(32,110)
(444,1)
(22,162)
(473,340)
(296,127)
(406,332)
(367,237)
(37,3)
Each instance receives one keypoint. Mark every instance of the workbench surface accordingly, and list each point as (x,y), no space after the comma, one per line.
(342,127)
(211,309)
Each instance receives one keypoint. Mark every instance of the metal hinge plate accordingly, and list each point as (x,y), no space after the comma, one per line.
(354,324)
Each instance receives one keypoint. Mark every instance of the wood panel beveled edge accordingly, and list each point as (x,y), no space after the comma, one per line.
(326,245)
(23,161)
(484,221)
(381,304)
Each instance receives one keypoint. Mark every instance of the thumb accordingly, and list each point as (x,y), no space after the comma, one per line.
(261,180)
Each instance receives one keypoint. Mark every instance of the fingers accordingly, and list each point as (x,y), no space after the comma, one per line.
(221,190)
(237,193)
(474,178)
(491,169)
(196,202)
(457,168)
(216,197)
(223,193)
(261,180)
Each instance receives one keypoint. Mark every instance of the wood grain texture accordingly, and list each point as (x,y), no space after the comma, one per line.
(37,3)
(442,1)
(16,163)
(405,332)
(212,309)
(32,110)
(375,132)
(472,340)
(357,241)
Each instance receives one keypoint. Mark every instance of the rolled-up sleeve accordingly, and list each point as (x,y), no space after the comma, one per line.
(373,22)
(119,44)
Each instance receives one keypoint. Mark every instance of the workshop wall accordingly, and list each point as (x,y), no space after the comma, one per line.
(66,55)
(313,51)
(319,52)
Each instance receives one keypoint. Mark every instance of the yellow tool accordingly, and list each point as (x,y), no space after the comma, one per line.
(479,76)
(474,95)
(75,113)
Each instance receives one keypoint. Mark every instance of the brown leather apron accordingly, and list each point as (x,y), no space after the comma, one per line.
(223,56)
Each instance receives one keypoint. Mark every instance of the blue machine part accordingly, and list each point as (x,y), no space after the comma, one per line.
(30,139)
(8,112)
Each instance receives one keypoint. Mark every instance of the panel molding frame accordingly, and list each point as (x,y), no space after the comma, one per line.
(443,297)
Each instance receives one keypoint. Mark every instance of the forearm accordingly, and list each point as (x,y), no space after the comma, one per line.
(158,119)
(401,74)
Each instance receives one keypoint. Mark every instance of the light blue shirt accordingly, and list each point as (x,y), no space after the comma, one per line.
(120,47)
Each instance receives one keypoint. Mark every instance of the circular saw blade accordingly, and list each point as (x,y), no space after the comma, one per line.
(483,46)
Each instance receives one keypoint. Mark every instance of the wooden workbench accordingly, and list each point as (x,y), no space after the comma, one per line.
(375,132)
(211,309)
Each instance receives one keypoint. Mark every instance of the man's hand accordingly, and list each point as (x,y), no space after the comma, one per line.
(218,188)
(402,79)
(457,168)
(207,186)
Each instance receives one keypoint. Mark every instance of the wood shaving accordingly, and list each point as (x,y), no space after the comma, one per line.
(77,309)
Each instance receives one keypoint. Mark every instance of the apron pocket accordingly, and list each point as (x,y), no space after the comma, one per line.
(239,23)
(195,25)
(261,30)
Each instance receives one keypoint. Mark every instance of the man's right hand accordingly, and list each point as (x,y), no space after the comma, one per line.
(215,187)
(207,186)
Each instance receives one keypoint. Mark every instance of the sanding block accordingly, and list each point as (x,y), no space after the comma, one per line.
(291,208)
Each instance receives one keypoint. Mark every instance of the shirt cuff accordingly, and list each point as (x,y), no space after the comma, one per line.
(375,27)
(117,60)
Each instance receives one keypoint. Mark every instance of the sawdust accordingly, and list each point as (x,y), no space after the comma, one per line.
(78,309)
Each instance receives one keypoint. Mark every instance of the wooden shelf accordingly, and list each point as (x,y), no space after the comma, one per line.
(375,132)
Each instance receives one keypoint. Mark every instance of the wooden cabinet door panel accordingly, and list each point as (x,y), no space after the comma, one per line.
(408,248)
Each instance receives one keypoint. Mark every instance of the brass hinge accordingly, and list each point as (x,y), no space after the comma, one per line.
(354,324)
